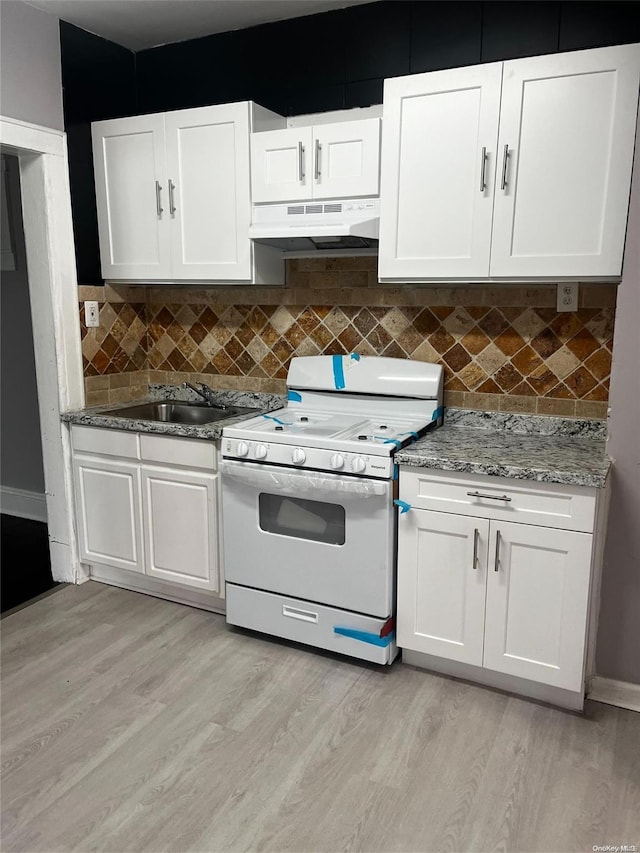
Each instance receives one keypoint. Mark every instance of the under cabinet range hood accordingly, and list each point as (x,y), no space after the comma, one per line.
(338,226)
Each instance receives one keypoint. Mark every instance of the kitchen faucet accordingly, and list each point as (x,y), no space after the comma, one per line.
(207,394)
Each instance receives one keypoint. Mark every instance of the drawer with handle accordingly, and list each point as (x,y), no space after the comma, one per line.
(307,622)
(545,504)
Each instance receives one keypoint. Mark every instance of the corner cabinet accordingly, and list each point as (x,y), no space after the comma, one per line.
(148,504)
(495,580)
(173,196)
(335,160)
(513,170)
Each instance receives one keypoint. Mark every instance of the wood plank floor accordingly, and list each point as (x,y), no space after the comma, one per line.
(134,724)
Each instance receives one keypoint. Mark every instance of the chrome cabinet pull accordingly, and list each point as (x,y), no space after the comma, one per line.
(317,167)
(159,208)
(496,565)
(301,175)
(491,497)
(483,169)
(476,535)
(172,205)
(505,160)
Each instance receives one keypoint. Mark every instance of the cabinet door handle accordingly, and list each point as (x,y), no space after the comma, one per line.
(159,208)
(172,204)
(476,535)
(505,160)
(496,565)
(483,169)
(317,166)
(491,497)
(301,174)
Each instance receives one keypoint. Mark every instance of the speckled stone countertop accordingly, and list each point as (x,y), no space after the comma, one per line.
(99,416)
(523,447)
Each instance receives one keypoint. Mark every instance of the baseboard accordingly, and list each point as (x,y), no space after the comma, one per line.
(623,694)
(23,504)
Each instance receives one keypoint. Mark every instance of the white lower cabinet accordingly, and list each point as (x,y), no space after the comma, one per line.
(107,489)
(537,602)
(180,511)
(154,512)
(492,593)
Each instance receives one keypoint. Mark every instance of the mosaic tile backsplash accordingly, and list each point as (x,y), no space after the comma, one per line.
(503,347)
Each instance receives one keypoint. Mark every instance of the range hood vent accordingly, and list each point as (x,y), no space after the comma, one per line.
(336,226)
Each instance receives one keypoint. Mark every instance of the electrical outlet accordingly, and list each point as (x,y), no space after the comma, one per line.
(568,296)
(91,315)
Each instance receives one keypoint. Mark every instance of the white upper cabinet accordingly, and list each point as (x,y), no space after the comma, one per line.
(567,125)
(510,170)
(280,165)
(337,160)
(131,194)
(208,188)
(439,158)
(173,194)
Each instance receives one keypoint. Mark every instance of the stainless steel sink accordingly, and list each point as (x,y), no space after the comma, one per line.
(180,413)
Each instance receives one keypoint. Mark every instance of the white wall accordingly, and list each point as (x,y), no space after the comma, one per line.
(30,71)
(618,647)
(21,442)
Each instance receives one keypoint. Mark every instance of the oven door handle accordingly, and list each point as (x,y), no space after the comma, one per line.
(275,478)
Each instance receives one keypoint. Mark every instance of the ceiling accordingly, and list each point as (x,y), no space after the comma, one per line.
(139,24)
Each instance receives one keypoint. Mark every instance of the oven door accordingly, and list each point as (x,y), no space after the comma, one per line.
(317,536)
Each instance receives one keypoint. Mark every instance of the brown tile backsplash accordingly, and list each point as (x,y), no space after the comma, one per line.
(501,348)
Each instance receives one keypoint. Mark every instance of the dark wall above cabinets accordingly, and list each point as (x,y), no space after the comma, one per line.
(98,82)
(336,60)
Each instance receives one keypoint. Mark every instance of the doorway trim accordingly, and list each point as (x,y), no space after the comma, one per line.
(53,291)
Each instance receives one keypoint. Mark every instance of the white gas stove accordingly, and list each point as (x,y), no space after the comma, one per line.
(308,490)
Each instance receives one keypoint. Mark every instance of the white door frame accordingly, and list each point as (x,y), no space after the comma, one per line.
(53,291)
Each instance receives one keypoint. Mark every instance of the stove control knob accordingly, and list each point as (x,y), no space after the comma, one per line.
(298,456)
(242,449)
(261,451)
(358,465)
(337,461)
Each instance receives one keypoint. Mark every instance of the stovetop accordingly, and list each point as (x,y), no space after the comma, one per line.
(347,431)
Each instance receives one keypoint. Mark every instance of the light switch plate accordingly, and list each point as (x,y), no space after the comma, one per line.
(568,296)
(91,315)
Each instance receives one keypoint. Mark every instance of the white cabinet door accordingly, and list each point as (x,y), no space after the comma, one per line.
(437,184)
(108,512)
(568,124)
(537,596)
(280,165)
(180,523)
(132,197)
(442,570)
(209,202)
(346,159)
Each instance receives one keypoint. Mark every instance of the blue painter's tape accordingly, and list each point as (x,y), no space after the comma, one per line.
(404,506)
(294,396)
(386,440)
(355,356)
(365,636)
(395,472)
(338,372)
(414,434)
(437,413)
(277,420)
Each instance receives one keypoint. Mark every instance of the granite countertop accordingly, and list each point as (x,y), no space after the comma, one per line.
(100,416)
(523,447)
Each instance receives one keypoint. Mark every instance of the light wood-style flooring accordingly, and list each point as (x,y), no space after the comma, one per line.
(135,724)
